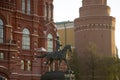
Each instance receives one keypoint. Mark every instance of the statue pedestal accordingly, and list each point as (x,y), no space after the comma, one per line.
(58,75)
(53,75)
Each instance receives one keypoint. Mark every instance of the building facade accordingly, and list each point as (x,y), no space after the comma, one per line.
(26,30)
(96,27)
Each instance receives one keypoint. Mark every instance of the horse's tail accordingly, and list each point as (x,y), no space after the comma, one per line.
(41,56)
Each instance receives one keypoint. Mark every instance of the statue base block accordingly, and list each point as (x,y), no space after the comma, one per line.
(53,75)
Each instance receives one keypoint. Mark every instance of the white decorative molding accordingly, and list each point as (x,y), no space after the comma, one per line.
(9,26)
(38,75)
(35,35)
(3,67)
(18,32)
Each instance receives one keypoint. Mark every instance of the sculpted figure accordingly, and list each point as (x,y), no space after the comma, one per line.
(58,45)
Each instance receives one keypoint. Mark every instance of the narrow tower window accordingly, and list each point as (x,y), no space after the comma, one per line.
(45,10)
(23,6)
(46,14)
(49,15)
(26,6)
(1,31)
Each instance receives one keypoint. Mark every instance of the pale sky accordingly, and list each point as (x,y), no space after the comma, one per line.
(65,10)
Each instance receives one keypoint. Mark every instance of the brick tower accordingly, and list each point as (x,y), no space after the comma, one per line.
(95,26)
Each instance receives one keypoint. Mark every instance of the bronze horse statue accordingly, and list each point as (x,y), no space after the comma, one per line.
(57,55)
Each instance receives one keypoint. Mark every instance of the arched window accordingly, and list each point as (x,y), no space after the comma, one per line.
(26,39)
(1,31)
(49,43)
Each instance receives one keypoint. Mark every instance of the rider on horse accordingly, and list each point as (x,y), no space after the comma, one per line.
(58,45)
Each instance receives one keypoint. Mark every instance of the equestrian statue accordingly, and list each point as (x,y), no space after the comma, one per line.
(58,54)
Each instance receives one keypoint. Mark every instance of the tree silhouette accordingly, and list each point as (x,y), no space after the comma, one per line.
(74,64)
(92,66)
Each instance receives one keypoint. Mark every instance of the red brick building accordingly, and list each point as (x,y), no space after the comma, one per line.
(25,27)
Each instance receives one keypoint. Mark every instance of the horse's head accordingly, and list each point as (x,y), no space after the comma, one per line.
(68,47)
